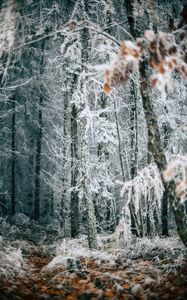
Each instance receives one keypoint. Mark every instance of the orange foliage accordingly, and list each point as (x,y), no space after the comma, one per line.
(165,55)
(107,88)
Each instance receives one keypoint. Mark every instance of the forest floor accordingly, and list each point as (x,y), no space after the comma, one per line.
(87,278)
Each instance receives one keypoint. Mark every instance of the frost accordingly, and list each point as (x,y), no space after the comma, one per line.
(136,289)
(165,56)
(148,280)
(147,181)
(123,67)
(177,170)
(122,235)
(8,19)
(11,260)
(77,249)
(59,262)
(155,247)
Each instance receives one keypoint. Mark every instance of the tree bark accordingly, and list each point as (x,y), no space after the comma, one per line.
(85,154)
(74,174)
(154,144)
(36,210)
(13,166)
(134,221)
(165,231)
(38,162)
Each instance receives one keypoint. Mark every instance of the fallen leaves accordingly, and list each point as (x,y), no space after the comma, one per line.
(141,279)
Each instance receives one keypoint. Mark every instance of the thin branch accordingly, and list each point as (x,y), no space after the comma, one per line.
(61,31)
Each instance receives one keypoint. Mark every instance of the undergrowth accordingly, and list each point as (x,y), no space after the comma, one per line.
(20,237)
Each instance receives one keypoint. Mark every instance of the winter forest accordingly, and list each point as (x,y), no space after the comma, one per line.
(93,149)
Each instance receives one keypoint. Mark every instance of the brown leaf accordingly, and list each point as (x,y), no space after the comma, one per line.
(107,88)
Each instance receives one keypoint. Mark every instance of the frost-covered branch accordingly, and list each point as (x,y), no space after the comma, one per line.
(148,182)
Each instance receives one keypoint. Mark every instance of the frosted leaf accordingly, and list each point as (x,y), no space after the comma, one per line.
(177,170)
(149,35)
(123,67)
(165,56)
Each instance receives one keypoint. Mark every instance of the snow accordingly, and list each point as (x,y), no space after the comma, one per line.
(147,181)
(177,170)
(70,253)
(11,260)
(8,17)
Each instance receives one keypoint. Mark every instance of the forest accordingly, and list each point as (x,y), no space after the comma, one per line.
(93,149)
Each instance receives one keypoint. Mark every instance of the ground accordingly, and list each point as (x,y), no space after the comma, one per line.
(87,278)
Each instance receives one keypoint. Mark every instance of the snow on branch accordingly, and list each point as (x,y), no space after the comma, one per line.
(166,54)
(148,182)
(177,170)
(8,20)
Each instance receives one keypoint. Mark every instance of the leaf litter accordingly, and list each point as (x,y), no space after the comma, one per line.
(147,269)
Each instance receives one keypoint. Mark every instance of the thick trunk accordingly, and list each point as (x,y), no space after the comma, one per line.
(36,211)
(13,166)
(74,173)
(38,163)
(135,226)
(85,153)
(155,147)
(64,200)
(165,214)
(134,221)
(66,167)
(165,231)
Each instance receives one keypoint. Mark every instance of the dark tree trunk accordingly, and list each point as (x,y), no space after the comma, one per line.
(13,164)
(154,141)
(135,227)
(165,231)
(165,214)
(52,204)
(63,204)
(36,212)
(85,152)
(155,147)
(148,221)
(134,221)
(74,173)
(38,162)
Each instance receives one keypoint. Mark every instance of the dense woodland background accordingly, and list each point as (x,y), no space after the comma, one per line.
(66,148)
(93,143)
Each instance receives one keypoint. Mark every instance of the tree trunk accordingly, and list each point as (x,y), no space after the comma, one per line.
(85,153)
(36,210)
(165,214)
(38,163)
(135,225)
(134,221)
(154,143)
(13,166)
(165,196)
(74,173)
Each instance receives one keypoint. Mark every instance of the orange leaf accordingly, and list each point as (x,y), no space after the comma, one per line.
(154,82)
(161,69)
(107,88)
(107,76)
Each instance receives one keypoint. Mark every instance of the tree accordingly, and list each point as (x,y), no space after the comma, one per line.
(167,58)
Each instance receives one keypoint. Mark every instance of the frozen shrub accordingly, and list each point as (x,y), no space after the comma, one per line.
(11,260)
(6,229)
(147,248)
